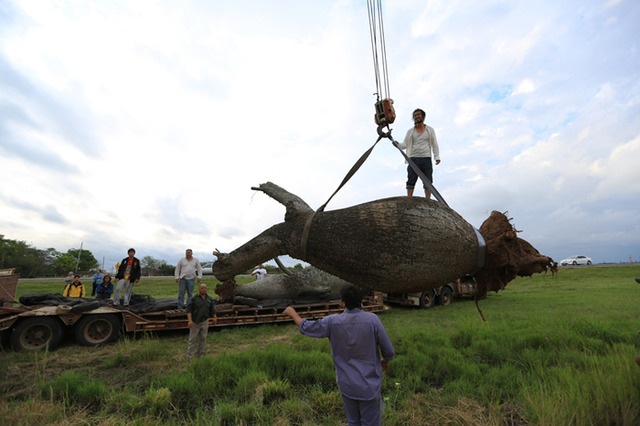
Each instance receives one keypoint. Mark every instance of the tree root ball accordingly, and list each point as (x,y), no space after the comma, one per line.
(507,256)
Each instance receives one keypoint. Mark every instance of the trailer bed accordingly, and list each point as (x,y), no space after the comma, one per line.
(37,327)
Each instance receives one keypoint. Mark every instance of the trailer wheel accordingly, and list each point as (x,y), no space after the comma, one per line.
(94,330)
(428,299)
(36,334)
(446,296)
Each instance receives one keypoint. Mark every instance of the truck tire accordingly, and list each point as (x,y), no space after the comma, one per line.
(94,330)
(36,334)
(427,299)
(446,296)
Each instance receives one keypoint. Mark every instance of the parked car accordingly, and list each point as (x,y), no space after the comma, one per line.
(207,268)
(576,260)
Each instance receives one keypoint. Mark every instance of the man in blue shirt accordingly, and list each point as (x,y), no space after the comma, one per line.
(97,280)
(355,337)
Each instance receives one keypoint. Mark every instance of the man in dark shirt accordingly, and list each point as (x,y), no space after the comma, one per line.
(129,273)
(199,310)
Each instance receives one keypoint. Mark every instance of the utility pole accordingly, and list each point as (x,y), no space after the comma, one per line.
(78,260)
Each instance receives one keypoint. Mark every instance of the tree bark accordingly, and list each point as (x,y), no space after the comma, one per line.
(400,244)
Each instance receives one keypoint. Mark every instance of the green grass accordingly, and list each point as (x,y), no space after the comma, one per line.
(554,350)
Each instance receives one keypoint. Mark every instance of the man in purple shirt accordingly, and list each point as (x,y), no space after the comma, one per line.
(355,337)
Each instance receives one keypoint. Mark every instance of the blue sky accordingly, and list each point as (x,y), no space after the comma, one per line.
(145,124)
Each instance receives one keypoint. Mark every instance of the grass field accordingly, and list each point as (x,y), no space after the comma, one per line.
(554,350)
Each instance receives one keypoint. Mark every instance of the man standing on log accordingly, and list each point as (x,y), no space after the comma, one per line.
(186,271)
(199,310)
(420,142)
(355,337)
(129,273)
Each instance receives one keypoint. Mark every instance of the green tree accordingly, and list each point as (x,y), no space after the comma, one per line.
(67,262)
(297,268)
(150,262)
(49,257)
(157,266)
(64,263)
(28,261)
(166,269)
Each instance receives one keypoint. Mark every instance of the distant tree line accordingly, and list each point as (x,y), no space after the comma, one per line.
(153,266)
(31,262)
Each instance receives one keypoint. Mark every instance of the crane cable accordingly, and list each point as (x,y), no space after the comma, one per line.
(376,30)
(385,114)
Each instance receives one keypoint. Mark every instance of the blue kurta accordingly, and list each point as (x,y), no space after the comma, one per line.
(355,337)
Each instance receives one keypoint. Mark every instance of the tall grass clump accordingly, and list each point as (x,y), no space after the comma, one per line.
(256,376)
(75,387)
(605,389)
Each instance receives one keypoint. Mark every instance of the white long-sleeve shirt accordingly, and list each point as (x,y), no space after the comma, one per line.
(421,145)
(188,269)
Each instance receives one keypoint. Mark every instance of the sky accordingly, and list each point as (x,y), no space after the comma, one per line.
(145,124)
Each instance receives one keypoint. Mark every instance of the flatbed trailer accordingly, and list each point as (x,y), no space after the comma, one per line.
(36,328)
(442,295)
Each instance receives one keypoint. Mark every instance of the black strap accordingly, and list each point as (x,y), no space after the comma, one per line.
(423,177)
(482,245)
(353,171)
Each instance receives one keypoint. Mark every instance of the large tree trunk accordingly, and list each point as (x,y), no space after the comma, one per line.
(400,244)
(310,283)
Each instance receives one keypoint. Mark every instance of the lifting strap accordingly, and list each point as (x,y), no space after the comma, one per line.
(354,169)
(307,226)
(482,245)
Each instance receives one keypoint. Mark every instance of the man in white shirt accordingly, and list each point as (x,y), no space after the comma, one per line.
(259,273)
(187,270)
(420,142)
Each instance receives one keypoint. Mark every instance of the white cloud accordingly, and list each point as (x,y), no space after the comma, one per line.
(525,86)
(145,124)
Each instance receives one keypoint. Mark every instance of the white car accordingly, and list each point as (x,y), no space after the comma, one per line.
(576,260)
(207,268)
